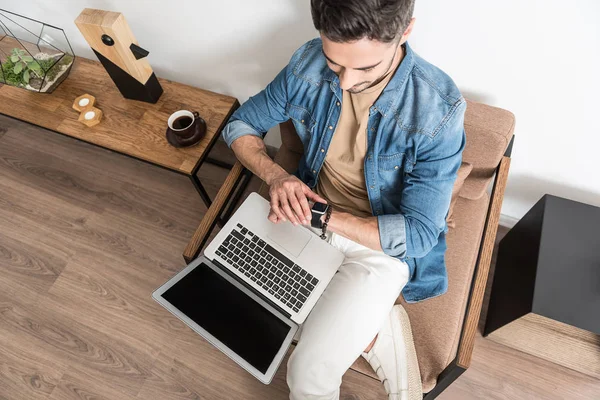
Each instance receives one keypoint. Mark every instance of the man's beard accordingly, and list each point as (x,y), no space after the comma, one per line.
(355,89)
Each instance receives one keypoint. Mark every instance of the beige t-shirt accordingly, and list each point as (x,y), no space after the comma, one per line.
(342,178)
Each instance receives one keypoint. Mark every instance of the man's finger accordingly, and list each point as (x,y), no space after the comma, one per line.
(297,208)
(275,206)
(313,196)
(273,217)
(285,206)
(304,204)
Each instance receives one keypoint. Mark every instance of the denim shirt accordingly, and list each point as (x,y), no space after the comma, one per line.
(415,139)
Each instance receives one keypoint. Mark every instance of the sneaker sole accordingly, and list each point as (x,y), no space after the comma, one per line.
(415,387)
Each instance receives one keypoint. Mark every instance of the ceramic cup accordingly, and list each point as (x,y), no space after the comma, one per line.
(185,128)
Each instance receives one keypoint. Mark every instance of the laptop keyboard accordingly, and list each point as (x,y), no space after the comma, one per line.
(266,266)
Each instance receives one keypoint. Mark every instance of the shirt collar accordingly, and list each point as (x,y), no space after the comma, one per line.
(390,92)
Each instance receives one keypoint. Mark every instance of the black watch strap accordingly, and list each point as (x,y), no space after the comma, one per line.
(316,222)
(324,227)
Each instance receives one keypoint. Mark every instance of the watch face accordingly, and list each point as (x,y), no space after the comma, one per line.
(319,207)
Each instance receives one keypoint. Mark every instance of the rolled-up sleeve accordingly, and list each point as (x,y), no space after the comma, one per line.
(426,193)
(392,234)
(261,112)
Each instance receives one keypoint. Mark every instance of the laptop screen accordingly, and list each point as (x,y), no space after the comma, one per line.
(230,315)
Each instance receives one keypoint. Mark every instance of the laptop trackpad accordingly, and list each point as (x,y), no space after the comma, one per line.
(290,237)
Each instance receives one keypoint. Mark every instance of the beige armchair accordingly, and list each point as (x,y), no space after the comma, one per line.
(443,327)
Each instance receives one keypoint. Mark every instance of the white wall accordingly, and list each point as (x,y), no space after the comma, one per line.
(234,47)
(538,58)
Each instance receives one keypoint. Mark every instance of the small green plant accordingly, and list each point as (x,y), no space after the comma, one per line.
(52,68)
(20,68)
(8,75)
(25,66)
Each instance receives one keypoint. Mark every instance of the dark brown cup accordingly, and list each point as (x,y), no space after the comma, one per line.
(185,136)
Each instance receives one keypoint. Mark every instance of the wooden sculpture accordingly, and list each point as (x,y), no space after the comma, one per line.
(110,37)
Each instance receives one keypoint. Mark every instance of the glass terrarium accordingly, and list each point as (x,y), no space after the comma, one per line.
(33,55)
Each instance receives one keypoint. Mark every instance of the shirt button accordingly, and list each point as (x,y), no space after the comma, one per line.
(396,167)
(302,121)
(372,187)
(372,129)
(330,127)
(314,171)
(322,150)
(338,103)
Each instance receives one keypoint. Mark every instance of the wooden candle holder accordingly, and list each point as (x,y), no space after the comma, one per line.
(80,103)
(90,116)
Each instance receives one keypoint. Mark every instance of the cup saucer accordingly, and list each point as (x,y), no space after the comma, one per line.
(199,127)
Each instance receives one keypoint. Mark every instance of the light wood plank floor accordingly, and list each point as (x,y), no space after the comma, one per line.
(86,235)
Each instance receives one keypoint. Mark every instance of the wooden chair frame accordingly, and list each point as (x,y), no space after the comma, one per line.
(462,361)
(467,338)
(228,195)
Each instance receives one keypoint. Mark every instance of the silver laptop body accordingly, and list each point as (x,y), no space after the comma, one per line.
(265,278)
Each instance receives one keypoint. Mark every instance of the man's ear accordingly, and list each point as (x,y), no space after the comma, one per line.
(408,30)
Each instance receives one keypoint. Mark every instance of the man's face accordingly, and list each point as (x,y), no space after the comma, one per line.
(361,63)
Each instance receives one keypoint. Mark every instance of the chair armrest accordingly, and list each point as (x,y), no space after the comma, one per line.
(467,340)
(214,211)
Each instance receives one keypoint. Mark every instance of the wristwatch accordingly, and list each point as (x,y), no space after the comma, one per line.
(317,211)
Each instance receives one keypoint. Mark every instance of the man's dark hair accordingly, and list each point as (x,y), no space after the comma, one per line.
(350,20)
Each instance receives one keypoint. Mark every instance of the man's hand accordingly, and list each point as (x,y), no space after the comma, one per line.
(289,195)
(289,199)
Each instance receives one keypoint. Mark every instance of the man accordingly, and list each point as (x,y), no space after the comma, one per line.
(383,137)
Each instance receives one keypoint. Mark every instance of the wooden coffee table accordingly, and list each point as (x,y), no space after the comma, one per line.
(137,129)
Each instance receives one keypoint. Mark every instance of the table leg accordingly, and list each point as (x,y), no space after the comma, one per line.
(233,200)
(241,187)
(201,191)
(218,163)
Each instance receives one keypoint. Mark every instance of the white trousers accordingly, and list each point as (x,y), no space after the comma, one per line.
(345,319)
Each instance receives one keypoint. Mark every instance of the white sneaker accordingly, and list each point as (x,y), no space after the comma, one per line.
(394,360)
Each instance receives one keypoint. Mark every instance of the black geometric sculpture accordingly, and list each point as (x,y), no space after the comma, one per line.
(111,39)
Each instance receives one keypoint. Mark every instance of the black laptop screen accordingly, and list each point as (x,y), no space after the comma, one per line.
(230,315)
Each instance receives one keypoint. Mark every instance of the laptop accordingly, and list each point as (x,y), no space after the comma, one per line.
(253,287)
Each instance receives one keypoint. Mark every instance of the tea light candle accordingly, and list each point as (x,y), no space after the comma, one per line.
(90,115)
(84,102)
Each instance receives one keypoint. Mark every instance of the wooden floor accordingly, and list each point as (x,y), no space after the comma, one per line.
(86,235)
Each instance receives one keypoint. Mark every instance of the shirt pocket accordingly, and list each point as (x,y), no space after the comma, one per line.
(301,117)
(391,172)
